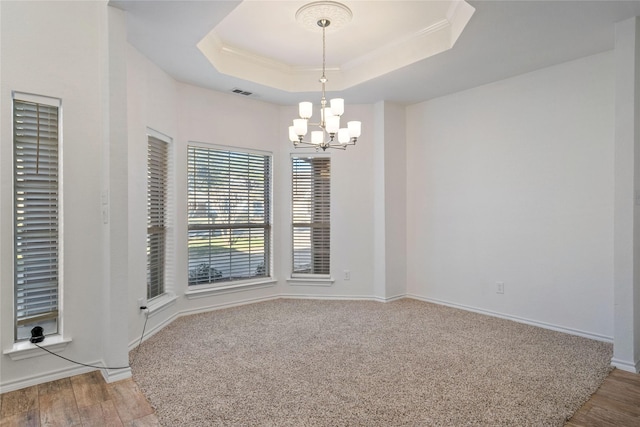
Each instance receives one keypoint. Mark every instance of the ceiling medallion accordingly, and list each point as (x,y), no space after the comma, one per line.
(310,14)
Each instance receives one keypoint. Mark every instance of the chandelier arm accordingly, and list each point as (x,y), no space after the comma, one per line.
(324,145)
(305,144)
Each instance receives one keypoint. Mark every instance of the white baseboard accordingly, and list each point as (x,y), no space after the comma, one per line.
(110,375)
(340,297)
(327,297)
(116,375)
(157,328)
(113,375)
(57,374)
(625,365)
(543,325)
(133,344)
(224,305)
(148,333)
(394,298)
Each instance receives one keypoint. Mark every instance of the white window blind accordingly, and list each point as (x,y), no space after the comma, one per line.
(157,181)
(311,213)
(229,207)
(36,215)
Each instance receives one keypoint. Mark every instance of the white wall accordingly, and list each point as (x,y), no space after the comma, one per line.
(57,49)
(187,113)
(184,113)
(224,119)
(352,211)
(151,103)
(390,203)
(626,354)
(513,182)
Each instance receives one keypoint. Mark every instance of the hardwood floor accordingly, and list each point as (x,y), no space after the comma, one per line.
(615,404)
(82,400)
(86,400)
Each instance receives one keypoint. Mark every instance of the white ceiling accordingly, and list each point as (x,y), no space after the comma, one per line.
(502,39)
(283,39)
(287,55)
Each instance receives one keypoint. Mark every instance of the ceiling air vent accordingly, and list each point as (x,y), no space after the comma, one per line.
(241,92)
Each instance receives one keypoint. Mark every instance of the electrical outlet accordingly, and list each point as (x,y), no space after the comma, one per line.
(347,275)
(499,287)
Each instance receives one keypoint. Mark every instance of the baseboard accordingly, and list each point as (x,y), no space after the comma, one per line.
(394,298)
(327,297)
(224,305)
(626,365)
(113,375)
(543,325)
(340,297)
(148,333)
(47,377)
(116,375)
(110,375)
(157,328)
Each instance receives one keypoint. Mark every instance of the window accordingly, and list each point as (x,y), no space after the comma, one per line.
(229,205)
(157,180)
(311,194)
(36,213)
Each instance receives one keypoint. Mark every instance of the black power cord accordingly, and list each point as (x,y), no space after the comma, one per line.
(102,367)
(146,317)
(80,363)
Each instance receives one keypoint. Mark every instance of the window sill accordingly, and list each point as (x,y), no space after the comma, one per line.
(161,302)
(26,350)
(310,281)
(236,287)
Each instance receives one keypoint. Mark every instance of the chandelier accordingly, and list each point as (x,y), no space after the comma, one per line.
(330,134)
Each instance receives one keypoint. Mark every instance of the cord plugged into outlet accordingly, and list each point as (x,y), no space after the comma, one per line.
(37,336)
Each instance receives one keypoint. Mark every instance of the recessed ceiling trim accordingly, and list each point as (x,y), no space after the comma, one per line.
(459,14)
(254,59)
(424,43)
(428,30)
(436,38)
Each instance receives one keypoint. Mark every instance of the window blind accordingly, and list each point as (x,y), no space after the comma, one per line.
(229,215)
(35,139)
(157,180)
(311,214)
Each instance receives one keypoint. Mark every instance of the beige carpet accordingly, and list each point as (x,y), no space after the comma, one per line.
(356,363)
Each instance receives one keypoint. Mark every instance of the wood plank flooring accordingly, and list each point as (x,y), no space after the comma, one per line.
(82,400)
(615,404)
(86,400)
